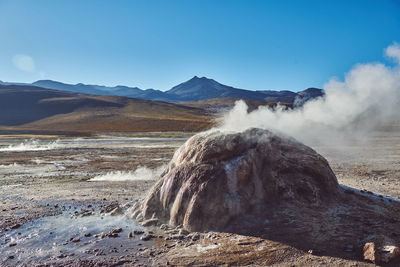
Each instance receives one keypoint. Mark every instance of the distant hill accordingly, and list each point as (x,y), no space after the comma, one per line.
(89,89)
(33,108)
(195,89)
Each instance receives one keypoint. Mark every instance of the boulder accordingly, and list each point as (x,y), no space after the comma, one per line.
(382,250)
(218,177)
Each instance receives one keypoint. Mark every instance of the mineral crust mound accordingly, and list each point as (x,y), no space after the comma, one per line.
(217,178)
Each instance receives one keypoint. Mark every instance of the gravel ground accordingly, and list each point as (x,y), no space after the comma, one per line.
(51,214)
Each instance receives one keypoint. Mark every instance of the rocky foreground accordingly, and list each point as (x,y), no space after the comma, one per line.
(306,235)
(267,185)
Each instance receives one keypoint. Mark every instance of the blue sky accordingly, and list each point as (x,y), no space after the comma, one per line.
(257,45)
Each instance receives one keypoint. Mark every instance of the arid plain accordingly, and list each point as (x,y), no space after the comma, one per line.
(62,203)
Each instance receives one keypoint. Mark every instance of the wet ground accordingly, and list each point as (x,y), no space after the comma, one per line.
(46,186)
(62,198)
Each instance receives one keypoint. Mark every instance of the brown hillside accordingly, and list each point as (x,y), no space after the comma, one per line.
(36,108)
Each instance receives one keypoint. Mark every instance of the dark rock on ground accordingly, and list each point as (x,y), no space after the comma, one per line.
(112,233)
(146,237)
(116,230)
(15,226)
(109,208)
(150,222)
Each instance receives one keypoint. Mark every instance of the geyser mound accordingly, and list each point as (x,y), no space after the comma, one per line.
(218,181)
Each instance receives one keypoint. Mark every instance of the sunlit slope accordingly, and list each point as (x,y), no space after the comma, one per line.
(34,108)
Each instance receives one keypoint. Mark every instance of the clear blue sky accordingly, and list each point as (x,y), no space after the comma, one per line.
(274,45)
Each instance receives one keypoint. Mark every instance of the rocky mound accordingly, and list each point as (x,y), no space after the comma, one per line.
(215,178)
(267,185)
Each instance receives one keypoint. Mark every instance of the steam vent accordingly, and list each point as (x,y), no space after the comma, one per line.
(217,181)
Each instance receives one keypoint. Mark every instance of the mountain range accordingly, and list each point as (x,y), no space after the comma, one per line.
(195,89)
(47,106)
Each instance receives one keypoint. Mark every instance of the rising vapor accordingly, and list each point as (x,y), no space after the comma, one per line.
(367,98)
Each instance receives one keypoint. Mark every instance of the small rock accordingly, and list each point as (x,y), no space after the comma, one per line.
(130,235)
(195,237)
(86,213)
(189,244)
(12,244)
(138,232)
(370,252)
(11,257)
(175,237)
(164,227)
(116,211)
(139,217)
(76,240)
(99,235)
(150,222)
(116,230)
(385,253)
(183,232)
(172,232)
(88,234)
(146,237)
(113,235)
(15,226)
(109,208)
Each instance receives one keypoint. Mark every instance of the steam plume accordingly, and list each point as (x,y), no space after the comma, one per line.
(142,173)
(368,97)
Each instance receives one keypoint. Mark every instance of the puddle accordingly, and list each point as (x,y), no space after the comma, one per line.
(55,238)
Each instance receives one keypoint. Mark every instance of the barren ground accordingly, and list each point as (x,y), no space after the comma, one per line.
(51,214)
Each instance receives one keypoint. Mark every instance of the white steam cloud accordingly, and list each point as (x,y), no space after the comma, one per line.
(393,51)
(31,145)
(24,63)
(140,174)
(368,97)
